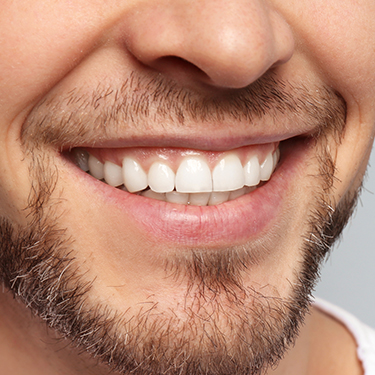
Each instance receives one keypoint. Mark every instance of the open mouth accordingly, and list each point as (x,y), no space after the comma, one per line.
(187,177)
(198,197)
(226,174)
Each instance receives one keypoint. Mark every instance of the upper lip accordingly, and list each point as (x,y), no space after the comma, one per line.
(201,137)
(100,120)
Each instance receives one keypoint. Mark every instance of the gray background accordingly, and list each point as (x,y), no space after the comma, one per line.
(348,276)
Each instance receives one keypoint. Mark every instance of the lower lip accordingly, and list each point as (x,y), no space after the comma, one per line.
(232,222)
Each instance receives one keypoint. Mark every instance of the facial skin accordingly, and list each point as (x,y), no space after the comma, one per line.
(153,287)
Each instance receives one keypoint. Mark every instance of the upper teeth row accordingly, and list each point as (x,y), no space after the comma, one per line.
(192,176)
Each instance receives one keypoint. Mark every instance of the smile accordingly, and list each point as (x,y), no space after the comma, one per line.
(186,177)
(245,213)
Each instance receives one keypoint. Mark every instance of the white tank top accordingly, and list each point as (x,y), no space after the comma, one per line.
(364,335)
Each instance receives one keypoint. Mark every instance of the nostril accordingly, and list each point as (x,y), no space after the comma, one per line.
(180,69)
(190,41)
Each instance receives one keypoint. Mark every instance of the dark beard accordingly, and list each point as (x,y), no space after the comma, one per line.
(37,265)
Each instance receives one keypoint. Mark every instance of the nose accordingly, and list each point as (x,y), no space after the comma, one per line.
(224,43)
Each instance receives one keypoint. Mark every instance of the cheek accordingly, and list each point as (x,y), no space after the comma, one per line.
(344,54)
(15,179)
(338,36)
(353,154)
(51,38)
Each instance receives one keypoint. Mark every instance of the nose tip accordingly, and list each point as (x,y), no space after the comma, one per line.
(236,56)
(223,43)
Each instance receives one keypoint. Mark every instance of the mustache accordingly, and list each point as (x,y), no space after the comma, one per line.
(143,102)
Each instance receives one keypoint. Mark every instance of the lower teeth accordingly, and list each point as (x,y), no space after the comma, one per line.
(194,199)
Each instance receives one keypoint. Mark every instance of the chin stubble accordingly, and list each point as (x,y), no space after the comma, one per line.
(37,263)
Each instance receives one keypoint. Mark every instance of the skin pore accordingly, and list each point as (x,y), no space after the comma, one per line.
(71,251)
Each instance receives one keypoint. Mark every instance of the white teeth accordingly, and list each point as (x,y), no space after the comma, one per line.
(82,159)
(218,197)
(193,176)
(135,178)
(161,178)
(238,193)
(96,167)
(252,172)
(266,168)
(113,174)
(199,199)
(228,175)
(176,197)
(193,183)
(151,194)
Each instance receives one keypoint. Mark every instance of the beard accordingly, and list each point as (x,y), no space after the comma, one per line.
(229,327)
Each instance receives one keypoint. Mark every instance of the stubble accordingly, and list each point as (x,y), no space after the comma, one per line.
(37,262)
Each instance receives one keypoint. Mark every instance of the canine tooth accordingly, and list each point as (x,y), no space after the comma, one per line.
(82,159)
(266,168)
(161,178)
(237,193)
(113,174)
(175,197)
(151,194)
(218,197)
(199,199)
(193,176)
(252,172)
(135,178)
(96,167)
(228,174)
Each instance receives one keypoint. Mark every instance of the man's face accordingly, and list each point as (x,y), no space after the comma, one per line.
(178,99)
